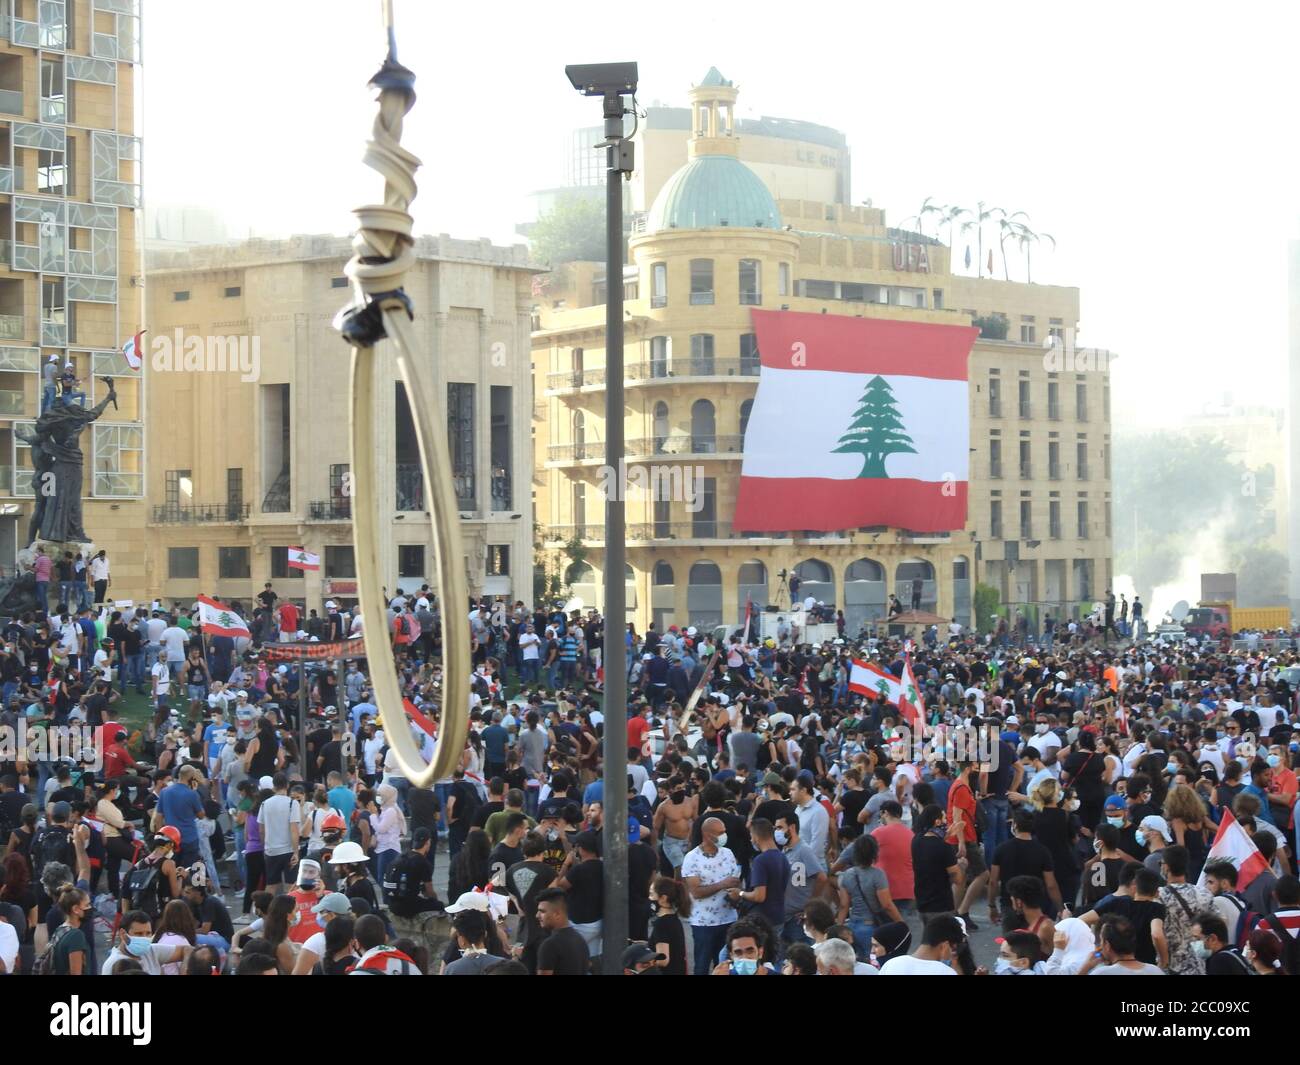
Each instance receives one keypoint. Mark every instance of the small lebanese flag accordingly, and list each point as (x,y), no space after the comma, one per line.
(217,619)
(416,715)
(866,678)
(132,349)
(303,559)
(885,434)
(1232,844)
(913,705)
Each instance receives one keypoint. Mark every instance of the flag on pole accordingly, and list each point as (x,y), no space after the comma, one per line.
(912,705)
(425,724)
(866,678)
(302,559)
(217,619)
(749,610)
(133,349)
(1231,843)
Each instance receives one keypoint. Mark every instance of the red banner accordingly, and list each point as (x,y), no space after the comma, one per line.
(314,652)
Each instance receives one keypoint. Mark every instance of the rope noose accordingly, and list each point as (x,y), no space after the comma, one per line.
(383,252)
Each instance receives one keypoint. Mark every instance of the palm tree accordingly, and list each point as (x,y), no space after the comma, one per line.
(1027,238)
(951,215)
(982,215)
(1008,227)
(927,207)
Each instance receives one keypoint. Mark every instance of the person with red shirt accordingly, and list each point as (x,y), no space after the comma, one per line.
(288,615)
(117,759)
(895,860)
(962,833)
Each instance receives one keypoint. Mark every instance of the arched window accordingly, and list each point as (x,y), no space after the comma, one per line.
(704,595)
(865,595)
(915,586)
(662,595)
(746,408)
(703,427)
(816,579)
(663,574)
(751,588)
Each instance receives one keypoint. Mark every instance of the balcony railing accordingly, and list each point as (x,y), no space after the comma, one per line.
(750,298)
(656,370)
(1026,471)
(13,404)
(11,326)
(330,510)
(1054,471)
(701,298)
(652,531)
(726,445)
(198,513)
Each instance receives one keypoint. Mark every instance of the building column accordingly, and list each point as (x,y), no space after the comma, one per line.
(731,612)
(943,593)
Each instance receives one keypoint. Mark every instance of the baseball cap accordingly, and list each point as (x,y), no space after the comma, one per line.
(62,810)
(1154,823)
(633,829)
(470,900)
(639,954)
(771,778)
(1115,802)
(334,902)
(266,783)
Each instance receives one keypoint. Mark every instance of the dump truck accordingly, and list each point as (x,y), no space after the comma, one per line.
(1219,619)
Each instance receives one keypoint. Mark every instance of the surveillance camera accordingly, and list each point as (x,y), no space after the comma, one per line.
(598,79)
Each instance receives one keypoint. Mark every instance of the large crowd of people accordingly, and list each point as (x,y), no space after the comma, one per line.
(1109,807)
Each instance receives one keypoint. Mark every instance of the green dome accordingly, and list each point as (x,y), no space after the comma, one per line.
(712,191)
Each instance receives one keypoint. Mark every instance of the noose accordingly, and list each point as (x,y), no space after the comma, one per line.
(383,252)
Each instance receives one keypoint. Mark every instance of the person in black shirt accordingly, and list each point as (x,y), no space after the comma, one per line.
(563,952)
(509,852)
(934,864)
(495,804)
(582,878)
(525,882)
(852,801)
(408,883)
(641,866)
(267,597)
(1021,855)
(1222,959)
(210,913)
(423,805)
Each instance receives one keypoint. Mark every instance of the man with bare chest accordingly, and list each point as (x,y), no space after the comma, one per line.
(673,820)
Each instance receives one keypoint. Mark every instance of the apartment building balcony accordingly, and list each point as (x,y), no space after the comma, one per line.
(199,513)
(330,510)
(654,372)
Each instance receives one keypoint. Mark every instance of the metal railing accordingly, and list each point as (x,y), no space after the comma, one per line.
(13,403)
(410,486)
(11,326)
(658,370)
(725,445)
(330,510)
(700,299)
(651,531)
(197,513)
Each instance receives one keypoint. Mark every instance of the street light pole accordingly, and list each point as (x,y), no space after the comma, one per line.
(611,82)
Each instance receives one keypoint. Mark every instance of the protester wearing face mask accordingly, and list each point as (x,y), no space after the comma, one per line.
(710,871)
(135,941)
(1019,954)
(942,940)
(1210,943)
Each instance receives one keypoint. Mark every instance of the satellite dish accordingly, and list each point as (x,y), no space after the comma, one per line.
(1180,611)
(573,604)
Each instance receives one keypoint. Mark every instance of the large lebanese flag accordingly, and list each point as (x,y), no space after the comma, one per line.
(866,678)
(857,421)
(1233,844)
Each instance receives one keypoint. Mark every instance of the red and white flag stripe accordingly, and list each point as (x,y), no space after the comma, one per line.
(1231,843)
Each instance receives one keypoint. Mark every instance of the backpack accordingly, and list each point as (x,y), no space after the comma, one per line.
(1290,945)
(404,625)
(44,965)
(53,844)
(1247,920)
(399,884)
(140,888)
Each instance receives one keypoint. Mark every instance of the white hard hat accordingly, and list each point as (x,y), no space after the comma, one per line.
(348,853)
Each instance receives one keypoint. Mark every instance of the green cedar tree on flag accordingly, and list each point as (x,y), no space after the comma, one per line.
(217,619)
(877,430)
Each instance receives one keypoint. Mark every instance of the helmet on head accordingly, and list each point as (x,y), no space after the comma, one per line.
(170,833)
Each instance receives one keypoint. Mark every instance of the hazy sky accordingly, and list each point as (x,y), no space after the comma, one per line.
(1153,141)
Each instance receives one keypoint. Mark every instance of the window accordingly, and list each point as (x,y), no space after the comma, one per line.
(182,296)
(183,563)
(995,519)
(51,172)
(703,428)
(1105,401)
(661,427)
(232,291)
(1108,532)
(783,279)
(579,507)
(1081,401)
(745,409)
(701,281)
(748,355)
(498,560)
(995,397)
(280,569)
(1083,519)
(1054,519)
(1025,405)
(751,292)
(1026,465)
(1053,400)
(1081,458)
(663,523)
(233,564)
(995,457)
(338,282)
(1026,519)
(705,521)
(500,446)
(658,284)
(340,501)
(702,355)
(579,435)
(659,356)
(234,493)
(1027,334)
(1054,459)
(340,562)
(460,436)
(938,298)
(410,560)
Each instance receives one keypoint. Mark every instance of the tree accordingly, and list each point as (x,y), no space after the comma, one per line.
(992,326)
(1027,238)
(987,605)
(876,430)
(572,230)
(981,214)
(1008,228)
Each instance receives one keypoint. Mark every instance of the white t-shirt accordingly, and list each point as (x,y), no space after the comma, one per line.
(528,644)
(8,946)
(155,628)
(316,944)
(717,909)
(162,678)
(174,640)
(909,966)
(275,817)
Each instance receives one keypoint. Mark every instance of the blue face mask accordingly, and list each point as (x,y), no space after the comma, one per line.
(1116,821)
(1274,761)
(138,946)
(744,967)
(320,920)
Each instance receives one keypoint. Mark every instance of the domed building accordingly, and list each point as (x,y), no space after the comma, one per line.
(715,245)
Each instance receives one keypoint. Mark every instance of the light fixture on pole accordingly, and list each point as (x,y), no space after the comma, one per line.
(611,82)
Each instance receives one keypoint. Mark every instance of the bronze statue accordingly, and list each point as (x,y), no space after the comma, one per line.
(57,461)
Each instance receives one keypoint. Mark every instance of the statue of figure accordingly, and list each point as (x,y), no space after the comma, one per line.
(57,460)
